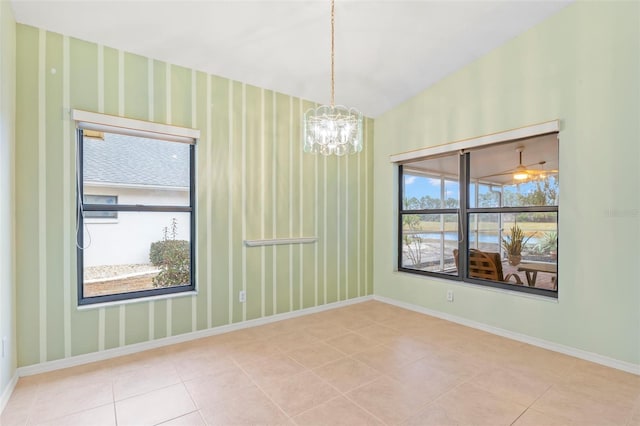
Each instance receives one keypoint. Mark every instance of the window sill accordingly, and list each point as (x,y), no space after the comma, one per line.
(99,221)
(137,300)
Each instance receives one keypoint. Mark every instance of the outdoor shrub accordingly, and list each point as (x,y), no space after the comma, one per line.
(172,256)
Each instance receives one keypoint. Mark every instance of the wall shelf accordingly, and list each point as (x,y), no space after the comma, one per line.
(280,241)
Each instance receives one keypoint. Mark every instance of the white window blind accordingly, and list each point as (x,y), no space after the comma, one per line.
(87,120)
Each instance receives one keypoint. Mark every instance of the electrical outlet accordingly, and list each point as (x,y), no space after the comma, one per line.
(242,296)
(449,295)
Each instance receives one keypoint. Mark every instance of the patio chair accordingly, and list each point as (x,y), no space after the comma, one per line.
(486,266)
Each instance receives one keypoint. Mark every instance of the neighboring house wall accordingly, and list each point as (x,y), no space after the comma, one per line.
(7,197)
(127,239)
(580,66)
(252,181)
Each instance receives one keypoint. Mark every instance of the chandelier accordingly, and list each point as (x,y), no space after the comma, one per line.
(331,129)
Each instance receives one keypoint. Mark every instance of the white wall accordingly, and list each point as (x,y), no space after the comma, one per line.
(126,240)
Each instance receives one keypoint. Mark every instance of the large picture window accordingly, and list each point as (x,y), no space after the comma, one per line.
(149,249)
(486,215)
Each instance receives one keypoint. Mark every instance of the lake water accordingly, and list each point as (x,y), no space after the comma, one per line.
(483,238)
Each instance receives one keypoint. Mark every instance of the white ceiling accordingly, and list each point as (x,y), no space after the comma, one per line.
(386,51)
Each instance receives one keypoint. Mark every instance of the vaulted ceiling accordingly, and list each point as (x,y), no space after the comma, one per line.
(386,51)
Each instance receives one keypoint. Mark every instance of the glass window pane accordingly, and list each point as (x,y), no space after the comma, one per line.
(431,184)
(428,242)
(542,192)
(451,194)
(138,170)
(472,195)
(525,171)
(526,244)
(489,195)
(141,251)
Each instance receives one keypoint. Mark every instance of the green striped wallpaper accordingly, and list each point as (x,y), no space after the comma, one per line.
(7,215)
(253,182)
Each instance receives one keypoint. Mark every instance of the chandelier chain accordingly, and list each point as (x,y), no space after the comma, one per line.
(330,129)
(332,53)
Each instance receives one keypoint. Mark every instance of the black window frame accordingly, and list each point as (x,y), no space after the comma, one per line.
(112,214)
(132,208)
(464,211)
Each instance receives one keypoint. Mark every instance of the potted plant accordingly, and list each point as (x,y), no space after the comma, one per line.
(513,244)
(550,244)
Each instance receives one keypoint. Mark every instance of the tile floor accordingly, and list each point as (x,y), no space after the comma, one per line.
(366,364)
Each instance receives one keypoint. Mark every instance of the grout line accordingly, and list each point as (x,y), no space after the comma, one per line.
(260,387)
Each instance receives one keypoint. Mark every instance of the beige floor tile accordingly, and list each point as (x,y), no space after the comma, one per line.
(305,321)
(516,386)
(389,400)
(154,407)
(347,373)
(282,327)
(68,378)
(578,405)
(381,313)
(352,343)
(432,415)
(414,347)
(351,321)
(416,324)
(143,380)
(272,368)
(300,392)
(336,412)
(191,419)
(543,361)
(253,407)
(262,332)
(232,338)
(159,358)
(472,405)
(315,355)
(257,350)
(210,388)
(51,404)
(324,330)
(203,365)
(604,383)
(293,340)
(634,418)
(379,333)
(490,352)
(12,416)
(536,418)
(432,379)
(22,399)
(439,371)
(385,358)
(99,416)
(187,350)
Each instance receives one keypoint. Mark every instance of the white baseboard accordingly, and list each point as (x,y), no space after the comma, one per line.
(556,347)
(166,341)
(6,394)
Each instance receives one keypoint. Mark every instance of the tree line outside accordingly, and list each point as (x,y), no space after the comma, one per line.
(539,224)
